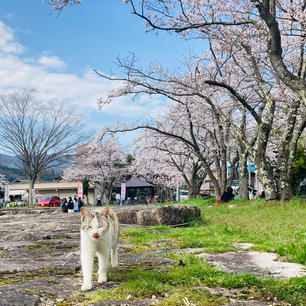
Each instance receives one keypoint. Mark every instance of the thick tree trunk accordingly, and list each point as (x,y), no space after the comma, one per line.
(282,177)
(31,188)
(267,14)
(195,182)
(214,181)
(265,170)
(266,178)
(194,188)
(243,175)
(285,193)
(107,193)
(286,152)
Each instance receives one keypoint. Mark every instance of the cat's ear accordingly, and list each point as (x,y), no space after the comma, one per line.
(106,211)
(84,213)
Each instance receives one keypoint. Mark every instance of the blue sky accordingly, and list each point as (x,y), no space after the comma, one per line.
(55,54)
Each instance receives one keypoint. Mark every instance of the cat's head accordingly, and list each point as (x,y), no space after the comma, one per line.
(95,224)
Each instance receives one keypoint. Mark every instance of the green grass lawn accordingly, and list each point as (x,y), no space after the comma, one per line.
(271,226)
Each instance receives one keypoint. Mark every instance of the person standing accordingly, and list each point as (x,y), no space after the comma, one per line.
(75,205)
(80,203)
(70,205)
(99,200)
(64,205)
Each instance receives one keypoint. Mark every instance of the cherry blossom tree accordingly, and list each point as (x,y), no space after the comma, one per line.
(273,30)
(201,131)
(3,183)
(154,166)
(276,27)
(58,5)
(256,64)
(101,163)
(253,110)
(165,161)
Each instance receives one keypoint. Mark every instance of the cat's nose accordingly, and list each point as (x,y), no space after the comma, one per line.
(95,235)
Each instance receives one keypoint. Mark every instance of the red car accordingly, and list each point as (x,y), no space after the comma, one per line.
(50,201)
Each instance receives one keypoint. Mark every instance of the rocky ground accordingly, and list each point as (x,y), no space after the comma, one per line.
(39,261)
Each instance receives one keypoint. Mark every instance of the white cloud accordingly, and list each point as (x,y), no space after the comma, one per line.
(52,62)
(83,91)
(7,43)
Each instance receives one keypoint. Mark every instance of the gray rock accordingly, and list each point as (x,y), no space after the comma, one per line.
(12,296)
(146,302)
(168,215)
(248,303)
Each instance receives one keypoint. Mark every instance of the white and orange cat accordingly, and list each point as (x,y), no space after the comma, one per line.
(99,236)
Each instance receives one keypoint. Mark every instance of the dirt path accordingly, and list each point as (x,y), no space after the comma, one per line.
(40,266)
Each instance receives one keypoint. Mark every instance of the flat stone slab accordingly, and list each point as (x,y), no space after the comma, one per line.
(19,264)
(261,264)
(40,260)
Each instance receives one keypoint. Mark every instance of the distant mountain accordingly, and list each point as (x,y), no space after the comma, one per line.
(9,167)
(12,174)
(9,161)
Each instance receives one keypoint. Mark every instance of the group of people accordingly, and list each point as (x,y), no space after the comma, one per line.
(229,195)
(72,205)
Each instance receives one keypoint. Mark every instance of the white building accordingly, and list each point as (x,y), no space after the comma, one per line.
(61,189)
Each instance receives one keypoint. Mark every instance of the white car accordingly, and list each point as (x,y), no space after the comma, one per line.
(184,195)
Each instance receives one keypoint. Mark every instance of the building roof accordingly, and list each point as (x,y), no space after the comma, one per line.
(45,185)
(135,183)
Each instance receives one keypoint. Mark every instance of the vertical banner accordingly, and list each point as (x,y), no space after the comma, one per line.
(123,192)
(178,191)
(6,193)
(80,190)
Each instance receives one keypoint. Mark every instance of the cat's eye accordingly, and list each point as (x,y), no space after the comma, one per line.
(89,226)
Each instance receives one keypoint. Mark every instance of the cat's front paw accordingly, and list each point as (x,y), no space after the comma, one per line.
(86,287)
(114,263)
(102,279)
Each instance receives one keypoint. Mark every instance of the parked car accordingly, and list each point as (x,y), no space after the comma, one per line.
(50,201)
(184,195)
